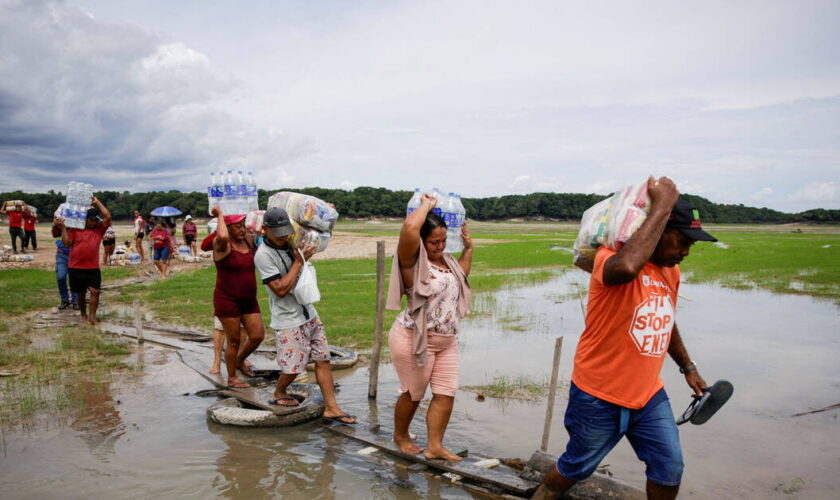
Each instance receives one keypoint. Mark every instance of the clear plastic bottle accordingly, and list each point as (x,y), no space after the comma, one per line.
(242,191)
(414,202)
(215,191)
(229,198)
(252,194)
(453,225)
(439,196)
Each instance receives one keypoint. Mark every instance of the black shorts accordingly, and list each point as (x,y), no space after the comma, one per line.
(109,242)
(188,239)
(82,279)
(140,236)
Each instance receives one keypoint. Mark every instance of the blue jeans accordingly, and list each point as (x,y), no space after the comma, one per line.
(61,261)
(595,426)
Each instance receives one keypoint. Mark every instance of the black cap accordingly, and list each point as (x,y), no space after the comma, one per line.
(92,213)
(277,220)
(686,218)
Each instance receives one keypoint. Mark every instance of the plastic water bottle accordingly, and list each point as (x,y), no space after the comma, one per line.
(215,191)
(414,202)
(252,195)
(454,244)
(242,191)
(229,197)
(438,195)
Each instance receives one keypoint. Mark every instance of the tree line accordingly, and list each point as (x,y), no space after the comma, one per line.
(367,202)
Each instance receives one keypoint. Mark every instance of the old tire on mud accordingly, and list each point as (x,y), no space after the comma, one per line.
(231,411)
(340,357)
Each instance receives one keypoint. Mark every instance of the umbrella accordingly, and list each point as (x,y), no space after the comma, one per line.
(166,212)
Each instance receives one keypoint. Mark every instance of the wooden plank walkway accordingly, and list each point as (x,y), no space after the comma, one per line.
(501,476)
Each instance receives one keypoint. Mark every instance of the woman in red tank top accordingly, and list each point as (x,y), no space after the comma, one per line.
(235,295)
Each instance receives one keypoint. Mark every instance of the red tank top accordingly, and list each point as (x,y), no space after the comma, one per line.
(235,278)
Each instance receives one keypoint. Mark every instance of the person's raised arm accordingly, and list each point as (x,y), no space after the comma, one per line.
(624,266)
(221,245)
(106,215)
(465,261)
(408,247)
(678,352)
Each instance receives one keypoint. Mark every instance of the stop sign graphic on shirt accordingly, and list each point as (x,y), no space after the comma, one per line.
(652,324)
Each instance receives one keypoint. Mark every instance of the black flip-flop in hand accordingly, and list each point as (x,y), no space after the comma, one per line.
(703,407)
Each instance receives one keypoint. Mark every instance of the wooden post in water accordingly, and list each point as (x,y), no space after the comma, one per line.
(138,321)
(380,314)
(552,390)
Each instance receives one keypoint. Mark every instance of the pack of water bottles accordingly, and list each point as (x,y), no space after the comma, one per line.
(611,222)
(451,209)
(234,192)
(312,218)
(74,209)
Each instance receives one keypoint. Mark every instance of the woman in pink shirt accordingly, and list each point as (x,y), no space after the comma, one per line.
(423,344)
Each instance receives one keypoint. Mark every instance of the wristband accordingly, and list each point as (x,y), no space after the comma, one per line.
(692,367)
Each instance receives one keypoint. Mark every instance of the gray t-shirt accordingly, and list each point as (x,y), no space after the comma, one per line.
(286,312)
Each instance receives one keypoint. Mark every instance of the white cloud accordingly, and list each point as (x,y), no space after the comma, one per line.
(763,194)
(819,192)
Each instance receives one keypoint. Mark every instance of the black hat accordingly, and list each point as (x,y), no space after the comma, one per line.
(92,213)
(277,220)
(687,219)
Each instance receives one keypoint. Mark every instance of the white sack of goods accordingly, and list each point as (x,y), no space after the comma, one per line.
(312,218)
(611,222)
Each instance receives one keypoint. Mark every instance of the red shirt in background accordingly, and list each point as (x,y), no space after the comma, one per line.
(15,218)
(207,243)
(160,238)
(29,223)
(85,249)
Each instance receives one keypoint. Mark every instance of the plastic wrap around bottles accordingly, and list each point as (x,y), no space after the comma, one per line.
(312,219)
(254,220)
(308,211)
(611,222)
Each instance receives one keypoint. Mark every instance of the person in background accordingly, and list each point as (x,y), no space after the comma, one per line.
(162,247)
(423,339)
(170,226)
(298,329)
(29,221)
(62,257)
(15,227)
(139,234)
(190,232)
(109,242)
(85,276)
(235,295)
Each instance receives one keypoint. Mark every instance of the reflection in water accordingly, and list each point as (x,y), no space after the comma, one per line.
(98,423)
(780,351)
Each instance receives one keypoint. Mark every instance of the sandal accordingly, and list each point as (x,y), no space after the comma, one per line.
(703,407)
(339,419)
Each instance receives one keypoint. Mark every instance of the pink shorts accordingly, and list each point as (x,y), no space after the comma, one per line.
(298,346)
(440,370)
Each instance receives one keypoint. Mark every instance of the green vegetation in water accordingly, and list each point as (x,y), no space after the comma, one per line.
(45,368)
(513,387)
(796,263)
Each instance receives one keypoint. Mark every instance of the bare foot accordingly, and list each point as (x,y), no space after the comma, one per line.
(235,383)
(215,369)
(407,445)
(441,453)
(246,369)
(94,321)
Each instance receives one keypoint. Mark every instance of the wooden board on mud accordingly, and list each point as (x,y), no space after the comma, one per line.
(500,477)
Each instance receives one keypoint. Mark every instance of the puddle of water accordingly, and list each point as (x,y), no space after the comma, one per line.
(144,437)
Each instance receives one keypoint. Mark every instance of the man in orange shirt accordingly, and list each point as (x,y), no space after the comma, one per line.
(616,390)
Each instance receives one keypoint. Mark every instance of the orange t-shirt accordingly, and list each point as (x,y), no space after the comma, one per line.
(628,330)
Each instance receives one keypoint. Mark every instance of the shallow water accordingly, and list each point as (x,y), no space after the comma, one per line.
(143,437)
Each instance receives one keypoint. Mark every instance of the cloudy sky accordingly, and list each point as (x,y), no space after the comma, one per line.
(736,101)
